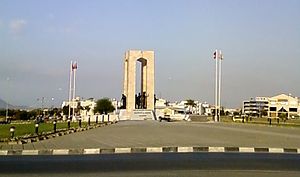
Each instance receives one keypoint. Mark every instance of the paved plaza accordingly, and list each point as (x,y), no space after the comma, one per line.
(157,134)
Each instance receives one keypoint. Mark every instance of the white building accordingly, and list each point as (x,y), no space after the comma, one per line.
(86,108)
(182,108)
(278,106)
(206,109)
(284,106)
(257,106)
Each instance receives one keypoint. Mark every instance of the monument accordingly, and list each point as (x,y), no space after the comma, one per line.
(142,102)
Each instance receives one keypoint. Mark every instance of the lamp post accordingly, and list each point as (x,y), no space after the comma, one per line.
(79,122)
(54,126)
(288,116)
(12,131)
(69,123)
(37,128)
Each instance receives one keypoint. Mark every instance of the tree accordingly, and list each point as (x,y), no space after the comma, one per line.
(53,112)
(190,103)
(263,113)
(65,110)
(79,108)
(104,106)
(283,116)
(22,115)
(87,108)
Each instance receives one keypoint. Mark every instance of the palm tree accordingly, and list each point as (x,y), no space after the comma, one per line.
(191,104)
(87,108)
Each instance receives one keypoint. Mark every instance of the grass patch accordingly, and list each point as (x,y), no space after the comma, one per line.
(264,121)
(29,129)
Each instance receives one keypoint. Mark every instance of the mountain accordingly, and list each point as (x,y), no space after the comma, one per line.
(3,105)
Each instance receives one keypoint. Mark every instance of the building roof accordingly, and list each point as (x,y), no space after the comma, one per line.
(283,96)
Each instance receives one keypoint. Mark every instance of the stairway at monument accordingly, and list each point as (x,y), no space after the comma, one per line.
(137,114)
(143,114)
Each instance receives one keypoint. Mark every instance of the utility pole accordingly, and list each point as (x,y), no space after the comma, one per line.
(43,99)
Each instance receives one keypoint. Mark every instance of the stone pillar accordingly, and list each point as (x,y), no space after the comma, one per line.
(131,79)
(125,81)
(147,77)
(149,55)
(144,76)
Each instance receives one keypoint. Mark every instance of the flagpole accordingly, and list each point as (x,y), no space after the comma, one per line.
(216,87)
(219,96)
(74,85)
(70,90)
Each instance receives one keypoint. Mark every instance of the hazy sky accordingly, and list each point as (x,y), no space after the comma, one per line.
(260,40)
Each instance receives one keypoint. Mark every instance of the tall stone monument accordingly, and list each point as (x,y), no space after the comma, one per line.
(146,95)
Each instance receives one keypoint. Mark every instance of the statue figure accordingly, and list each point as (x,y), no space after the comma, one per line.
(123,100)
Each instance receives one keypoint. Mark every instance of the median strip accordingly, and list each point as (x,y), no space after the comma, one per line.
(60,152)
(167,149)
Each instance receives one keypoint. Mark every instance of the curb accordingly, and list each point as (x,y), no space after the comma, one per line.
(169,149)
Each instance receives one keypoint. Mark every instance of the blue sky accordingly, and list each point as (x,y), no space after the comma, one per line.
(260,40)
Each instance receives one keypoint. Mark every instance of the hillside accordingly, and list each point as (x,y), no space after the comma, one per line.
(3,104)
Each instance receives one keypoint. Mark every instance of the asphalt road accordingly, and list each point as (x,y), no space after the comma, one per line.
(162,164)
(155,134)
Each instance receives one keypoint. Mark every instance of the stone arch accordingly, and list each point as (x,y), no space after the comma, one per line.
(147,78)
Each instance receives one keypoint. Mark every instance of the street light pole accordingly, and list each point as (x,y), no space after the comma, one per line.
(43,100)
(6,114)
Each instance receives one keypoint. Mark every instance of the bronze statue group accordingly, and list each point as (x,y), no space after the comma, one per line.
(140,101)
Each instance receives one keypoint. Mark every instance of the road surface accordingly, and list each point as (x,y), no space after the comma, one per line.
(164,164)
(156,134)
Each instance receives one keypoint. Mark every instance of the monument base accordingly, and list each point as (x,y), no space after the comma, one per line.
(137,114)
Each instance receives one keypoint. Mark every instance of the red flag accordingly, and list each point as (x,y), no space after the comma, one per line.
(74,66)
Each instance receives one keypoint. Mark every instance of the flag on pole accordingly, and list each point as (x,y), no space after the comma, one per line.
(221,55)
(218,55)
(74,65)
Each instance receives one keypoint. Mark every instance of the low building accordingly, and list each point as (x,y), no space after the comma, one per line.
(87,108)
(284,106)
(206,109)
(183,108)
(257,106)
(231,111)
(83,108)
